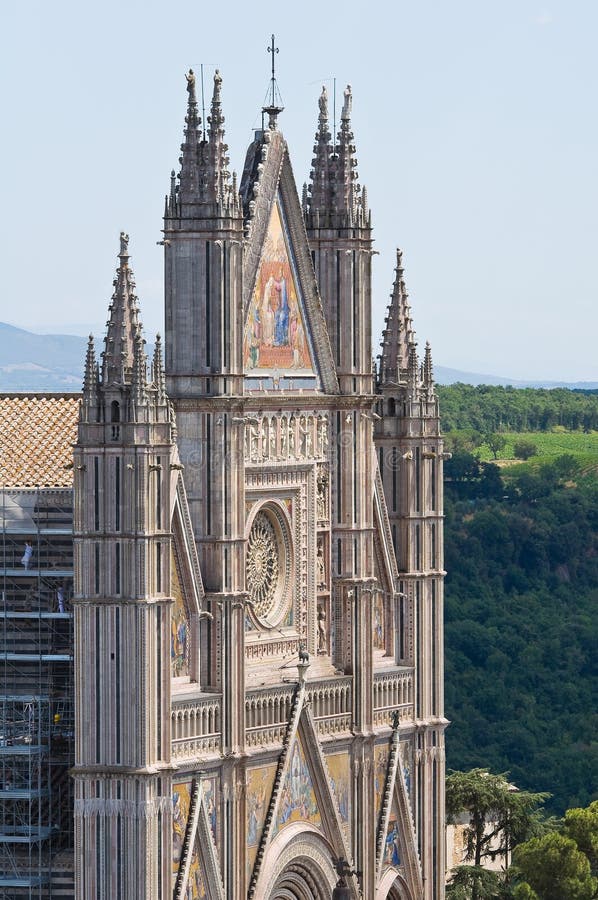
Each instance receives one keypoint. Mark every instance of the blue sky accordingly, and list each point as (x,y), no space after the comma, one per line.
(476,133)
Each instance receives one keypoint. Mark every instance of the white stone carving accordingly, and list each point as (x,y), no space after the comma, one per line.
(301,436)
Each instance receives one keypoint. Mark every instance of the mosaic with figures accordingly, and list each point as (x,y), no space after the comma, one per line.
(275,340)
(195,888)
(338,768)
(380,769)
(260,782)
(297,799)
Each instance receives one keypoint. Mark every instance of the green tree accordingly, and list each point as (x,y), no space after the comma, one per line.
(523,449)
(554,868)
(495,443)
(581,825)
(474,881)
(500,816)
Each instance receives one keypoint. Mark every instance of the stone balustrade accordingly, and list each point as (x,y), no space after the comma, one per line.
(196,730)
(393,691)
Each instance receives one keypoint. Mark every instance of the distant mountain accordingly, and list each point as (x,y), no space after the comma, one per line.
(444,375)
(54,362)
(40,362)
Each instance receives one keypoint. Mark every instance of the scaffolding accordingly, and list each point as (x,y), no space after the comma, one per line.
(36,695)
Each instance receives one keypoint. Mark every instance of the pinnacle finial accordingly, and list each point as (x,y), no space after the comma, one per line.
(90,376)
(158,369)
(398,336)
(122,323)
(139,374)
(428,372)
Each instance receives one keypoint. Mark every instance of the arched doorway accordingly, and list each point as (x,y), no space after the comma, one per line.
(393,887)
(298,866)
(300,880)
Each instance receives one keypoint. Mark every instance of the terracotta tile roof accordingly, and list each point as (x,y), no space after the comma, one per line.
(37,434)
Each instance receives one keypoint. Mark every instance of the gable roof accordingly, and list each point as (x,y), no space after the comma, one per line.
(37,433)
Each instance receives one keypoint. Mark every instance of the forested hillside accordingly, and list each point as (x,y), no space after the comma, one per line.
(487,408)
(521,624)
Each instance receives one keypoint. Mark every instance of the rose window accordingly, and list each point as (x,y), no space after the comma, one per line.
(268,567)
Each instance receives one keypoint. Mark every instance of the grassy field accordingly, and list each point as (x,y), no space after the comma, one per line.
(550,445)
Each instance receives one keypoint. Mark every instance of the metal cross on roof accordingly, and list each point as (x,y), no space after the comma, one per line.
(274,106)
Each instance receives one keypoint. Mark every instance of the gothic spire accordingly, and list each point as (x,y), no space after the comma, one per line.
(139,374)
(336,199)
(428,372)
(216,177)
(320,188)
(123,323)
(189,158)
(158,371)
(90,375)
(413,373)
(398,335)
(204,177)
(345,195)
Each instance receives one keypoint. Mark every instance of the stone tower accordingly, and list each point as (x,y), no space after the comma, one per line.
(288,681)
(122,500)
(410,460)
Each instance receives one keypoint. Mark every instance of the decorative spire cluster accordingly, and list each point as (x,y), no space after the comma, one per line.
(398,336)
(124,361)
(334,196)
(122,324)
(204,178)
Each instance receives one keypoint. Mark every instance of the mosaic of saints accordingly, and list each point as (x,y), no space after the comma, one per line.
(275,335)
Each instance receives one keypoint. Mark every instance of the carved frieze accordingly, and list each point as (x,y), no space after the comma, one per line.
(289,436)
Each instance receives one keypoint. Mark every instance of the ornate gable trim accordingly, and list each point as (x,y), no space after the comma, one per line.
(395,795)
(307,279)
(302,727)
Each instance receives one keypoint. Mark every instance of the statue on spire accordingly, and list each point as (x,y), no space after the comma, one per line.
(191,84)
(323,104)
(124,244)
(348,103)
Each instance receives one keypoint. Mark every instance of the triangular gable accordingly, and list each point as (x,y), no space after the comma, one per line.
(293,351)
(303,793)
(195,860)
(396,840)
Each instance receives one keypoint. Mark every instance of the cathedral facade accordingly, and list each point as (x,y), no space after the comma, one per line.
(258,554)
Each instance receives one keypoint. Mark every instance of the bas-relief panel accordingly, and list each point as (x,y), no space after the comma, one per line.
(275,340)
(297,799)
(380,768)
(260,782)
(196,888)
(180,631)
(338,767)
